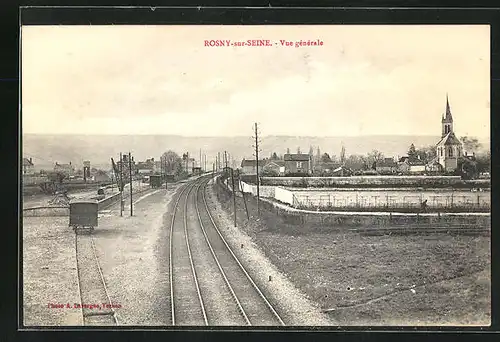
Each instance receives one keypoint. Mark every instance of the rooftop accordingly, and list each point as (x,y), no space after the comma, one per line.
(449,139)
(276,162)
(251,162)
(296,157)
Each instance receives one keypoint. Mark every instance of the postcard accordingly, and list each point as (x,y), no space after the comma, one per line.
(264,176)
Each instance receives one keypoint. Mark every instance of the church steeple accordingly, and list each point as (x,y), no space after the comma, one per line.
(447,119)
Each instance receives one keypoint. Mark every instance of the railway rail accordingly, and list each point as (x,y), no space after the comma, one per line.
(258,308)
(95,304)
(187,307)
(189,287)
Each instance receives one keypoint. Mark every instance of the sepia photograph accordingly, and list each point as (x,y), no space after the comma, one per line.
(255,175)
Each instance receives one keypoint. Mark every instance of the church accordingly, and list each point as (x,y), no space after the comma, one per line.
(449,148)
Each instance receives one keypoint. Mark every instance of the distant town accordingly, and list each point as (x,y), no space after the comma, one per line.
(450,156)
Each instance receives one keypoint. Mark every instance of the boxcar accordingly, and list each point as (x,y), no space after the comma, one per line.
(155,181)
(83,214)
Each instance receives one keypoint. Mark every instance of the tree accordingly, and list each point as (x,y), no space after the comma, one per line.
(412,153)
(483,161)
(274,156)
(325,158)
(311,151)
(173,163)
(56,177)
(426,154)
(356,162)
(471,144)
(468,167)
(374,157)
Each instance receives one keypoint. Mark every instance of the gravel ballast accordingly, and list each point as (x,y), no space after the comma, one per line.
(293,306)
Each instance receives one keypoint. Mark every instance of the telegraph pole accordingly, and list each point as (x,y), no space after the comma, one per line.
(257,164)
(225,159)
(161,166)
(165,168)
(121,185)
(130,175)
(243,195)
(234,196)
(218,161)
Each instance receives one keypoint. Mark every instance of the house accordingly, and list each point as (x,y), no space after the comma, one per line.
(67,169)
(355,165)
(405,165)
(386,166)
(274,167)
(28,166)
(126,164)
(471,157)
(196,171)
(101,176)
(157,167)
(297,164)
(188,164)
(146,168)
(433,166)
(449,148)
(326,168)
(249,166)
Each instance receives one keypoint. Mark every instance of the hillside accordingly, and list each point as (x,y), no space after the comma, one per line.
(48,149)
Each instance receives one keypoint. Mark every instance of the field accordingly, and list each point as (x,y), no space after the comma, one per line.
(378,280)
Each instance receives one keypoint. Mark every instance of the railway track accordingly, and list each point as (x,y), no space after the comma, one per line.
(252,303)
(209,286)
(95,304)
(187,306)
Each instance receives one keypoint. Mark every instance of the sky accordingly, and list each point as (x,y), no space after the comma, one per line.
(363,80)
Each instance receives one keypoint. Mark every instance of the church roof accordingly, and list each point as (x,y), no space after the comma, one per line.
(449,139)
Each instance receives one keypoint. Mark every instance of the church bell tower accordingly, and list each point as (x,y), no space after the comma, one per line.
(447,120)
